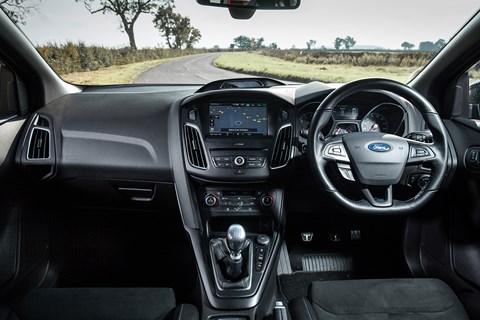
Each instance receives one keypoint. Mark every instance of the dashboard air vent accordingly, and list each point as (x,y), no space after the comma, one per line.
(195,149)
(39,144)
(42,122)
(282,148)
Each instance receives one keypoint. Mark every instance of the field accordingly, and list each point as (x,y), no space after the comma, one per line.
(112,75)
(269,66)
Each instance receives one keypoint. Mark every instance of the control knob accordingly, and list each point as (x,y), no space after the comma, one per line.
(239,161)
(266,200)
(211,200)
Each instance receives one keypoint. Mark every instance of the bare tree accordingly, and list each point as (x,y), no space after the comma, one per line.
(311,43)
(18,9)
(127,10)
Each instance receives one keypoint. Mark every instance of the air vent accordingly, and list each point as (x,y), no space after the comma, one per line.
(41,121)
(283,147)
(195,148)
(39,144)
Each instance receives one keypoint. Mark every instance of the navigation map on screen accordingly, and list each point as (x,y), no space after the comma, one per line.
(238,119)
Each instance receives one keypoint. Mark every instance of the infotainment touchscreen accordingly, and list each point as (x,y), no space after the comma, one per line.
(238,119)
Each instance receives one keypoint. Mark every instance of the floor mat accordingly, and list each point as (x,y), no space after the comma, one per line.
(327,262)
(296,284)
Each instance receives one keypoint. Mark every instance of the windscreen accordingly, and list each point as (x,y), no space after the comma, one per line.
(90,42)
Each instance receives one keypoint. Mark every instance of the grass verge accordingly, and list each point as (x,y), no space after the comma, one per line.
(256,64)
(112,75)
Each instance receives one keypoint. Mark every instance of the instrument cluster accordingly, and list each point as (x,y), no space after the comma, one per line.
(385,117)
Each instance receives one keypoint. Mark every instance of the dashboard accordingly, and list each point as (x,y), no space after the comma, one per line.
(223,153)
(229,135)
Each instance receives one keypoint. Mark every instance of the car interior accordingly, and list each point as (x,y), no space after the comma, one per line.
(240,199)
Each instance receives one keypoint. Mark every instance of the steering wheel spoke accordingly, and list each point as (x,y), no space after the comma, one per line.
(380,202)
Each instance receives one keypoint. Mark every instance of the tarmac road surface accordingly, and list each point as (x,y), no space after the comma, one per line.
(197,69)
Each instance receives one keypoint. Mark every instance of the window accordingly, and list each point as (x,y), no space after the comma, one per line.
(474,91)
(8,94)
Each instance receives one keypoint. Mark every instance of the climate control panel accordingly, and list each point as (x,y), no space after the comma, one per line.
(238,201)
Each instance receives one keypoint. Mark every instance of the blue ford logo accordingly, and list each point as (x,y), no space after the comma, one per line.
(379,147)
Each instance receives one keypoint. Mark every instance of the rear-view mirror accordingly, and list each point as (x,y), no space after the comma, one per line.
(252,4)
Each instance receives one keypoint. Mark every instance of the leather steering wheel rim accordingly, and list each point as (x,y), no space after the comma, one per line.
(318,162)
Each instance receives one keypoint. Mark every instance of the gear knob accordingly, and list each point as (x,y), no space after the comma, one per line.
(236,240)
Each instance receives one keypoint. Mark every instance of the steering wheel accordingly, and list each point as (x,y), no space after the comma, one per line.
(376,160)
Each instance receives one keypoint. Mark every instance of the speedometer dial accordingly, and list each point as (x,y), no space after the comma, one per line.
(375,122)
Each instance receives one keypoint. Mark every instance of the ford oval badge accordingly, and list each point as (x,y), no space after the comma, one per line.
(379,147)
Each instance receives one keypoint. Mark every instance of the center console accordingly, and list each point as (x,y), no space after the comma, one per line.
(236,154)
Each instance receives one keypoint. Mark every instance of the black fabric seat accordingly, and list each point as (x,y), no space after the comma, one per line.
(99,304)
(378,299)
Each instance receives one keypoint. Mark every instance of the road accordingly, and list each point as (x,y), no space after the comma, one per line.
(197,69)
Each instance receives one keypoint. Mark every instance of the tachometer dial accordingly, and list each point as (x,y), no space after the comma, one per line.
(375,122)
(343,128)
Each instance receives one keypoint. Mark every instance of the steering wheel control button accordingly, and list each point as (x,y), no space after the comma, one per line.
(420,152)
(263,240)
(346,171)
(423,181)
(211,200)
(267,200)
(239,161)
(412,179)
(337,151)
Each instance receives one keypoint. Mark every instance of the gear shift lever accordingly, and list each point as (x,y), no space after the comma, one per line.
(236,241)
(232,259)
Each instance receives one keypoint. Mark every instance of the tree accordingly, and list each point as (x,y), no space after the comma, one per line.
(310,44)
(440,43)
(127,10)
(427,46)
(338,43)
(273,45)
(247,43)
(243,42)
(430,46)
(407,45)
(257,43)
(349,42)
(177,30)
(18,9)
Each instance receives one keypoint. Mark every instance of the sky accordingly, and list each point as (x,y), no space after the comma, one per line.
(382,23)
